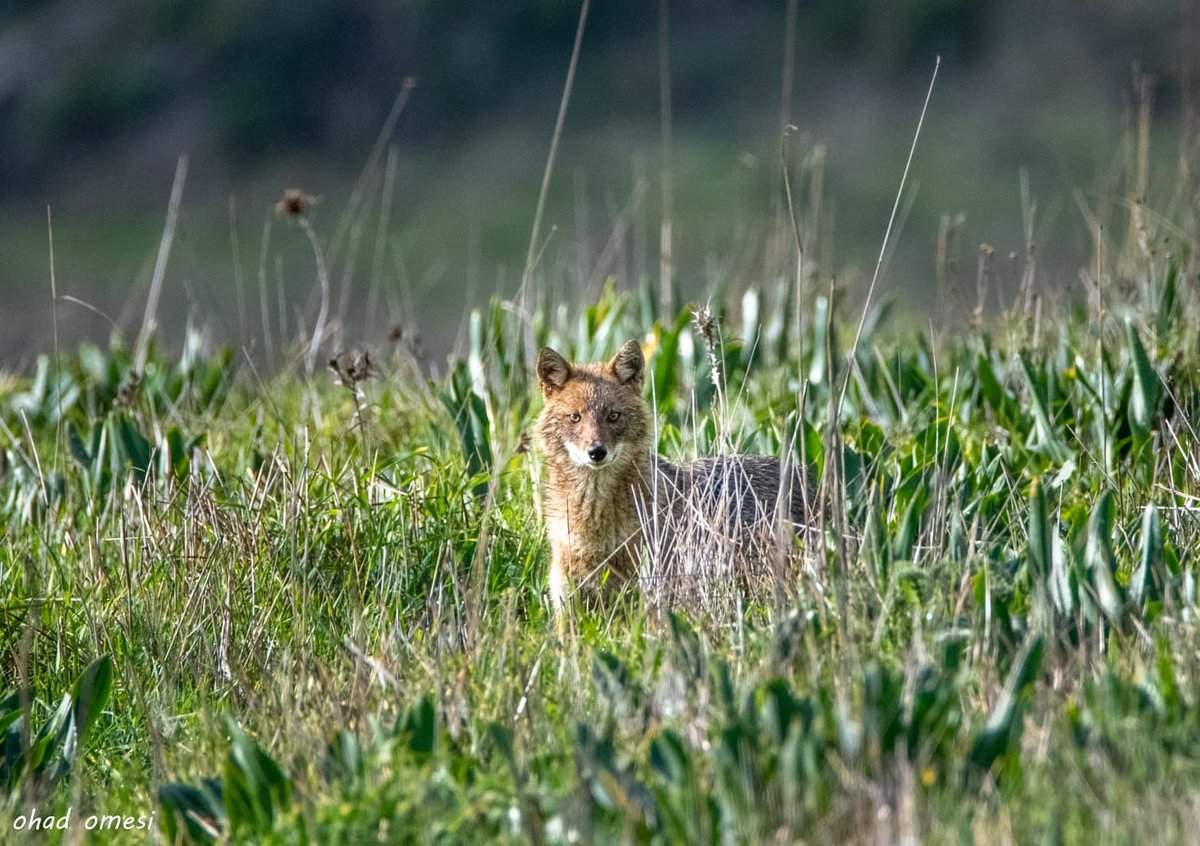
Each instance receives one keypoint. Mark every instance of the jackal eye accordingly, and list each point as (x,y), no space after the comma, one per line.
(614,416)
(573,416)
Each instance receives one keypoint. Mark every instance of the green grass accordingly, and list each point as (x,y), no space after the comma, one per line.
(288,610)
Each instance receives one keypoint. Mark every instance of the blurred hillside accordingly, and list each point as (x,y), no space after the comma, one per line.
(97,101)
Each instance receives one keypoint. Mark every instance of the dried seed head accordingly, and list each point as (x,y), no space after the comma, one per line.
(352,368)
(706,325)
(704,322)
(362,366)
(127,393)
(295,203)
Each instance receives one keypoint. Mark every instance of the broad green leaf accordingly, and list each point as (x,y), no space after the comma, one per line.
(78,450)
(1062,589)
(1048,440)
(346,755)
(174,455)
(472,422)
(909,527)
(191,814)
(90,693)
(502,741)
(1143,401)
(669,758)
(822,342)
(52,736)
(1041,546)
(1001,403)
(1002,733)
(1040,549)
(420,725)
(1099,560)
(255,789)
(1166,313)
(1151,556)
(136,448)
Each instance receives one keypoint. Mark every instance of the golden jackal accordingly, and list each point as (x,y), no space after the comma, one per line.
(609,498)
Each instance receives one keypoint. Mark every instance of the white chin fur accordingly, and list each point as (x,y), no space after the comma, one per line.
(579,457)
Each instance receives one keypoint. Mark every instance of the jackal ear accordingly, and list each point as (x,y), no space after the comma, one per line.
(627,365)
(553,370)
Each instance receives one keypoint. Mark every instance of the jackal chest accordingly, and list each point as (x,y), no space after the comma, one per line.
(588,533)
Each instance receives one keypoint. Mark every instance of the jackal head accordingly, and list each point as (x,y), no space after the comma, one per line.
(594,415)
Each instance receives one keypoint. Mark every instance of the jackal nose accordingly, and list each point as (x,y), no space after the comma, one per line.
(597,451)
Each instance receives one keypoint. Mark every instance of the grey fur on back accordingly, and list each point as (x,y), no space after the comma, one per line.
(719,523)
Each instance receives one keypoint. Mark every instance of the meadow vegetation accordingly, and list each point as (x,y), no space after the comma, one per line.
(289,608)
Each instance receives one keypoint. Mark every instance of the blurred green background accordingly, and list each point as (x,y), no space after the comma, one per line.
(98,100)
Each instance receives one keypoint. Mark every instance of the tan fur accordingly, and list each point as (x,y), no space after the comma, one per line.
(601,515)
